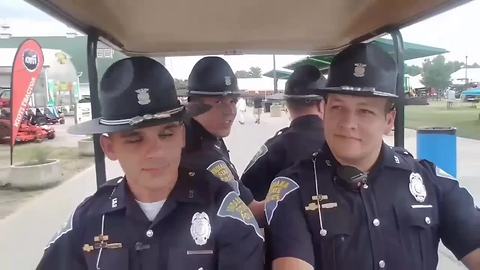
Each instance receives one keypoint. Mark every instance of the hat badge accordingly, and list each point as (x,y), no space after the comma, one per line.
(359,70)
(200,228)
(228,80)
(417,188)
(143,96)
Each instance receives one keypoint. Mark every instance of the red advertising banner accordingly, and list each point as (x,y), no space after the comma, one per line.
(26,69)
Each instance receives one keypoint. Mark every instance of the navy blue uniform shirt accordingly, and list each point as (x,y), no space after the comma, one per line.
(294,143)
(394,221)
(202,225)
(205,151)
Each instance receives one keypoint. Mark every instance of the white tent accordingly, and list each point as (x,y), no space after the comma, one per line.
(414,81)
(263,84)
(473,75)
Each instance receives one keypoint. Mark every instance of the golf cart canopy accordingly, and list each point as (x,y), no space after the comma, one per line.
(185,27)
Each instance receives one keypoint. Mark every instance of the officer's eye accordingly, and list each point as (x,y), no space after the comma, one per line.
(336,107)
(366,111)
(134,139)
(165,134)
(234,100)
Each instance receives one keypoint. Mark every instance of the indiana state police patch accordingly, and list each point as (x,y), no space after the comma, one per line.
(441,173)
(233,207)
(221,170)
(279,189)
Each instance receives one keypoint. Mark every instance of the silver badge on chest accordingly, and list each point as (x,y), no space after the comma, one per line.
(417,188)
(200,228)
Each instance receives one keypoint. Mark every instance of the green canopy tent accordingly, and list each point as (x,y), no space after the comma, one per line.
(412,51)
(280,74)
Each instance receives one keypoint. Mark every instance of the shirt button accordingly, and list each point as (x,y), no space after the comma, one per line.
(149,233)
(376,222)
(381,264)
(427,220)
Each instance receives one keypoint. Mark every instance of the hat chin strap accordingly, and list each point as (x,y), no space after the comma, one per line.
(312,96)
(138,119)
(220,93)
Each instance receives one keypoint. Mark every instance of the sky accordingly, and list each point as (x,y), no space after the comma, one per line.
(455,30)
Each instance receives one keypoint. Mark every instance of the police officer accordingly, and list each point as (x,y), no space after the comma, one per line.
(212,82)
(293,143)
(358,203)
(159,215)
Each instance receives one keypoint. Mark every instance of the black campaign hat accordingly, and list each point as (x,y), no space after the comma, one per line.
(136,92)
(212,76)
(363,70)
(304,83)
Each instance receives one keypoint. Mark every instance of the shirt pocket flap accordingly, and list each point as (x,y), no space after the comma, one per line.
(421,216)
(182,258)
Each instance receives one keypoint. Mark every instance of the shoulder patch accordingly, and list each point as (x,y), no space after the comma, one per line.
(260,153)
(441,173)
(66,227)
(279,189)
(233,207)
(221,170)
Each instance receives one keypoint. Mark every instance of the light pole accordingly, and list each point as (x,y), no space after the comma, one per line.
(466,71)
(275,79)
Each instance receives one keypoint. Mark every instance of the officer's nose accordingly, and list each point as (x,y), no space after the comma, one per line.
(229,107)
(348,120)
(154,148)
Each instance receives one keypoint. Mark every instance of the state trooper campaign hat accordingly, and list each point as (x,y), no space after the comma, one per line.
(363,70)
(304,83)
(212,76)
(137,92)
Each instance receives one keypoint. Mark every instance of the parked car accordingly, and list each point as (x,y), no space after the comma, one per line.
(4,97)
(471,95)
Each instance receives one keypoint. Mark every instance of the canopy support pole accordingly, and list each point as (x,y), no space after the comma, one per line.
(275,79)
(399,134)
(93,83)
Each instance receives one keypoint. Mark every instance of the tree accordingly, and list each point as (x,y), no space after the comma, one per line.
(180,84)
(413,70)
(242,74)
(475,65)
(255,72)
(436,72)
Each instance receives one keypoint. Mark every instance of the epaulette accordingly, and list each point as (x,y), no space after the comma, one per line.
(112,183)
(281,131)
(402,151)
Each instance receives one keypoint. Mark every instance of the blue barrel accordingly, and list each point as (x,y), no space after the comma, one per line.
(439,145)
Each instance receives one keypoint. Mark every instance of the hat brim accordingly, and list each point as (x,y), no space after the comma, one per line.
(363,92)
(303,97)
(95,127)
(215,94)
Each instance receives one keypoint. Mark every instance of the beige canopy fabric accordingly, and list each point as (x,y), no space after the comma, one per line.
(187,27)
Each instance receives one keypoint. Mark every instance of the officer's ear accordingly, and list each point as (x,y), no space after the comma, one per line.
(107,146)
(390,118)
(184,135)
(321,107)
